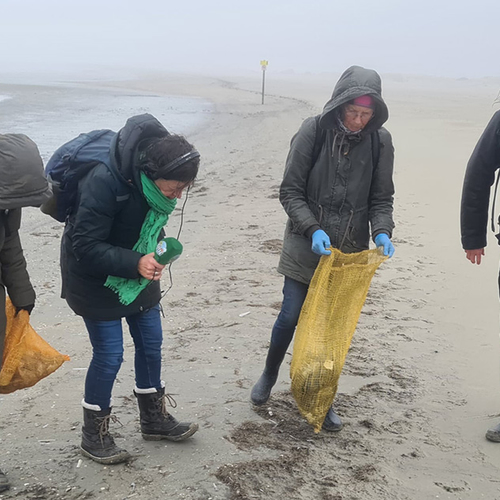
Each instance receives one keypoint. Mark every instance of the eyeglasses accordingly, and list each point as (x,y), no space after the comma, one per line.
(364,115)
(172,189)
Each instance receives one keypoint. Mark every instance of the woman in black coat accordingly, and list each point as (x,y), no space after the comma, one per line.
(109,273)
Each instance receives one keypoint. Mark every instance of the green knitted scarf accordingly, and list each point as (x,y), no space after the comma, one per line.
(160,209)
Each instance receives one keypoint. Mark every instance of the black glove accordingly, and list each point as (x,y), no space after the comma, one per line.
(28,308)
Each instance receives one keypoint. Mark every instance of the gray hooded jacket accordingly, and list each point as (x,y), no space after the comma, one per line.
(23,184)
(342,193)
(21,170)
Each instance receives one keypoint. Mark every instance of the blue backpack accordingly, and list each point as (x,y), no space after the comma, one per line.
(69,164)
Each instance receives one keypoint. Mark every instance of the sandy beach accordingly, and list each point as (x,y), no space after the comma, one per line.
(421,383)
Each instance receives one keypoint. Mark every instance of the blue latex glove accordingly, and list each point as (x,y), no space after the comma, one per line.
(320,243)
(382,240)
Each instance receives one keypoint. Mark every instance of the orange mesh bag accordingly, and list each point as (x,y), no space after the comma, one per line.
(27,358)
(326,325)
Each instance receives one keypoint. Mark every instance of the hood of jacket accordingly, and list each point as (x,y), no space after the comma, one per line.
(355,82)
(125,145)
(21,170)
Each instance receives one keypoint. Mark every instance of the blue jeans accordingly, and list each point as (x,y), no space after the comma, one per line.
(294,294)
(106,338)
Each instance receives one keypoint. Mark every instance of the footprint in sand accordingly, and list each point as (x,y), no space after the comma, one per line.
(271,246)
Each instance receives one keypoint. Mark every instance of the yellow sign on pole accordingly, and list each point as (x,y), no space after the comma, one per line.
(263,65)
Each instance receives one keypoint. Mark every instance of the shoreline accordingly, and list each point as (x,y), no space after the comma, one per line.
(52,115)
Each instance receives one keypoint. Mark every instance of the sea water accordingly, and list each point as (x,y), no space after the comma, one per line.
(53,115)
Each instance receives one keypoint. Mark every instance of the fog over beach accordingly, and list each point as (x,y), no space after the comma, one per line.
(421,382)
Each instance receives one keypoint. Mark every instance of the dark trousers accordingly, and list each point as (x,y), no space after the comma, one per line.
(294,294)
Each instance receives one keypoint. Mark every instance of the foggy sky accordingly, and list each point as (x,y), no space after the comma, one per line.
(440,38)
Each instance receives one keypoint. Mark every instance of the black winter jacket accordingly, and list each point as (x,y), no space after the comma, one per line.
(479,177)
(99,237)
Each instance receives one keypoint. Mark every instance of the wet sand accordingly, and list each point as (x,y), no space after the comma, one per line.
(421,381)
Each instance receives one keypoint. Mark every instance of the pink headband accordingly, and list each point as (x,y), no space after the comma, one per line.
(365,100)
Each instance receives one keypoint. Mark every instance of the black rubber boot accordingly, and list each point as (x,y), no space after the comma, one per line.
(262,389)
(4,482)
(97,442)
(493,434)
(156,422)
(332,422)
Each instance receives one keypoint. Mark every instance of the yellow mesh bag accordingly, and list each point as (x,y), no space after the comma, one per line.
(326,325)
(27,358)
